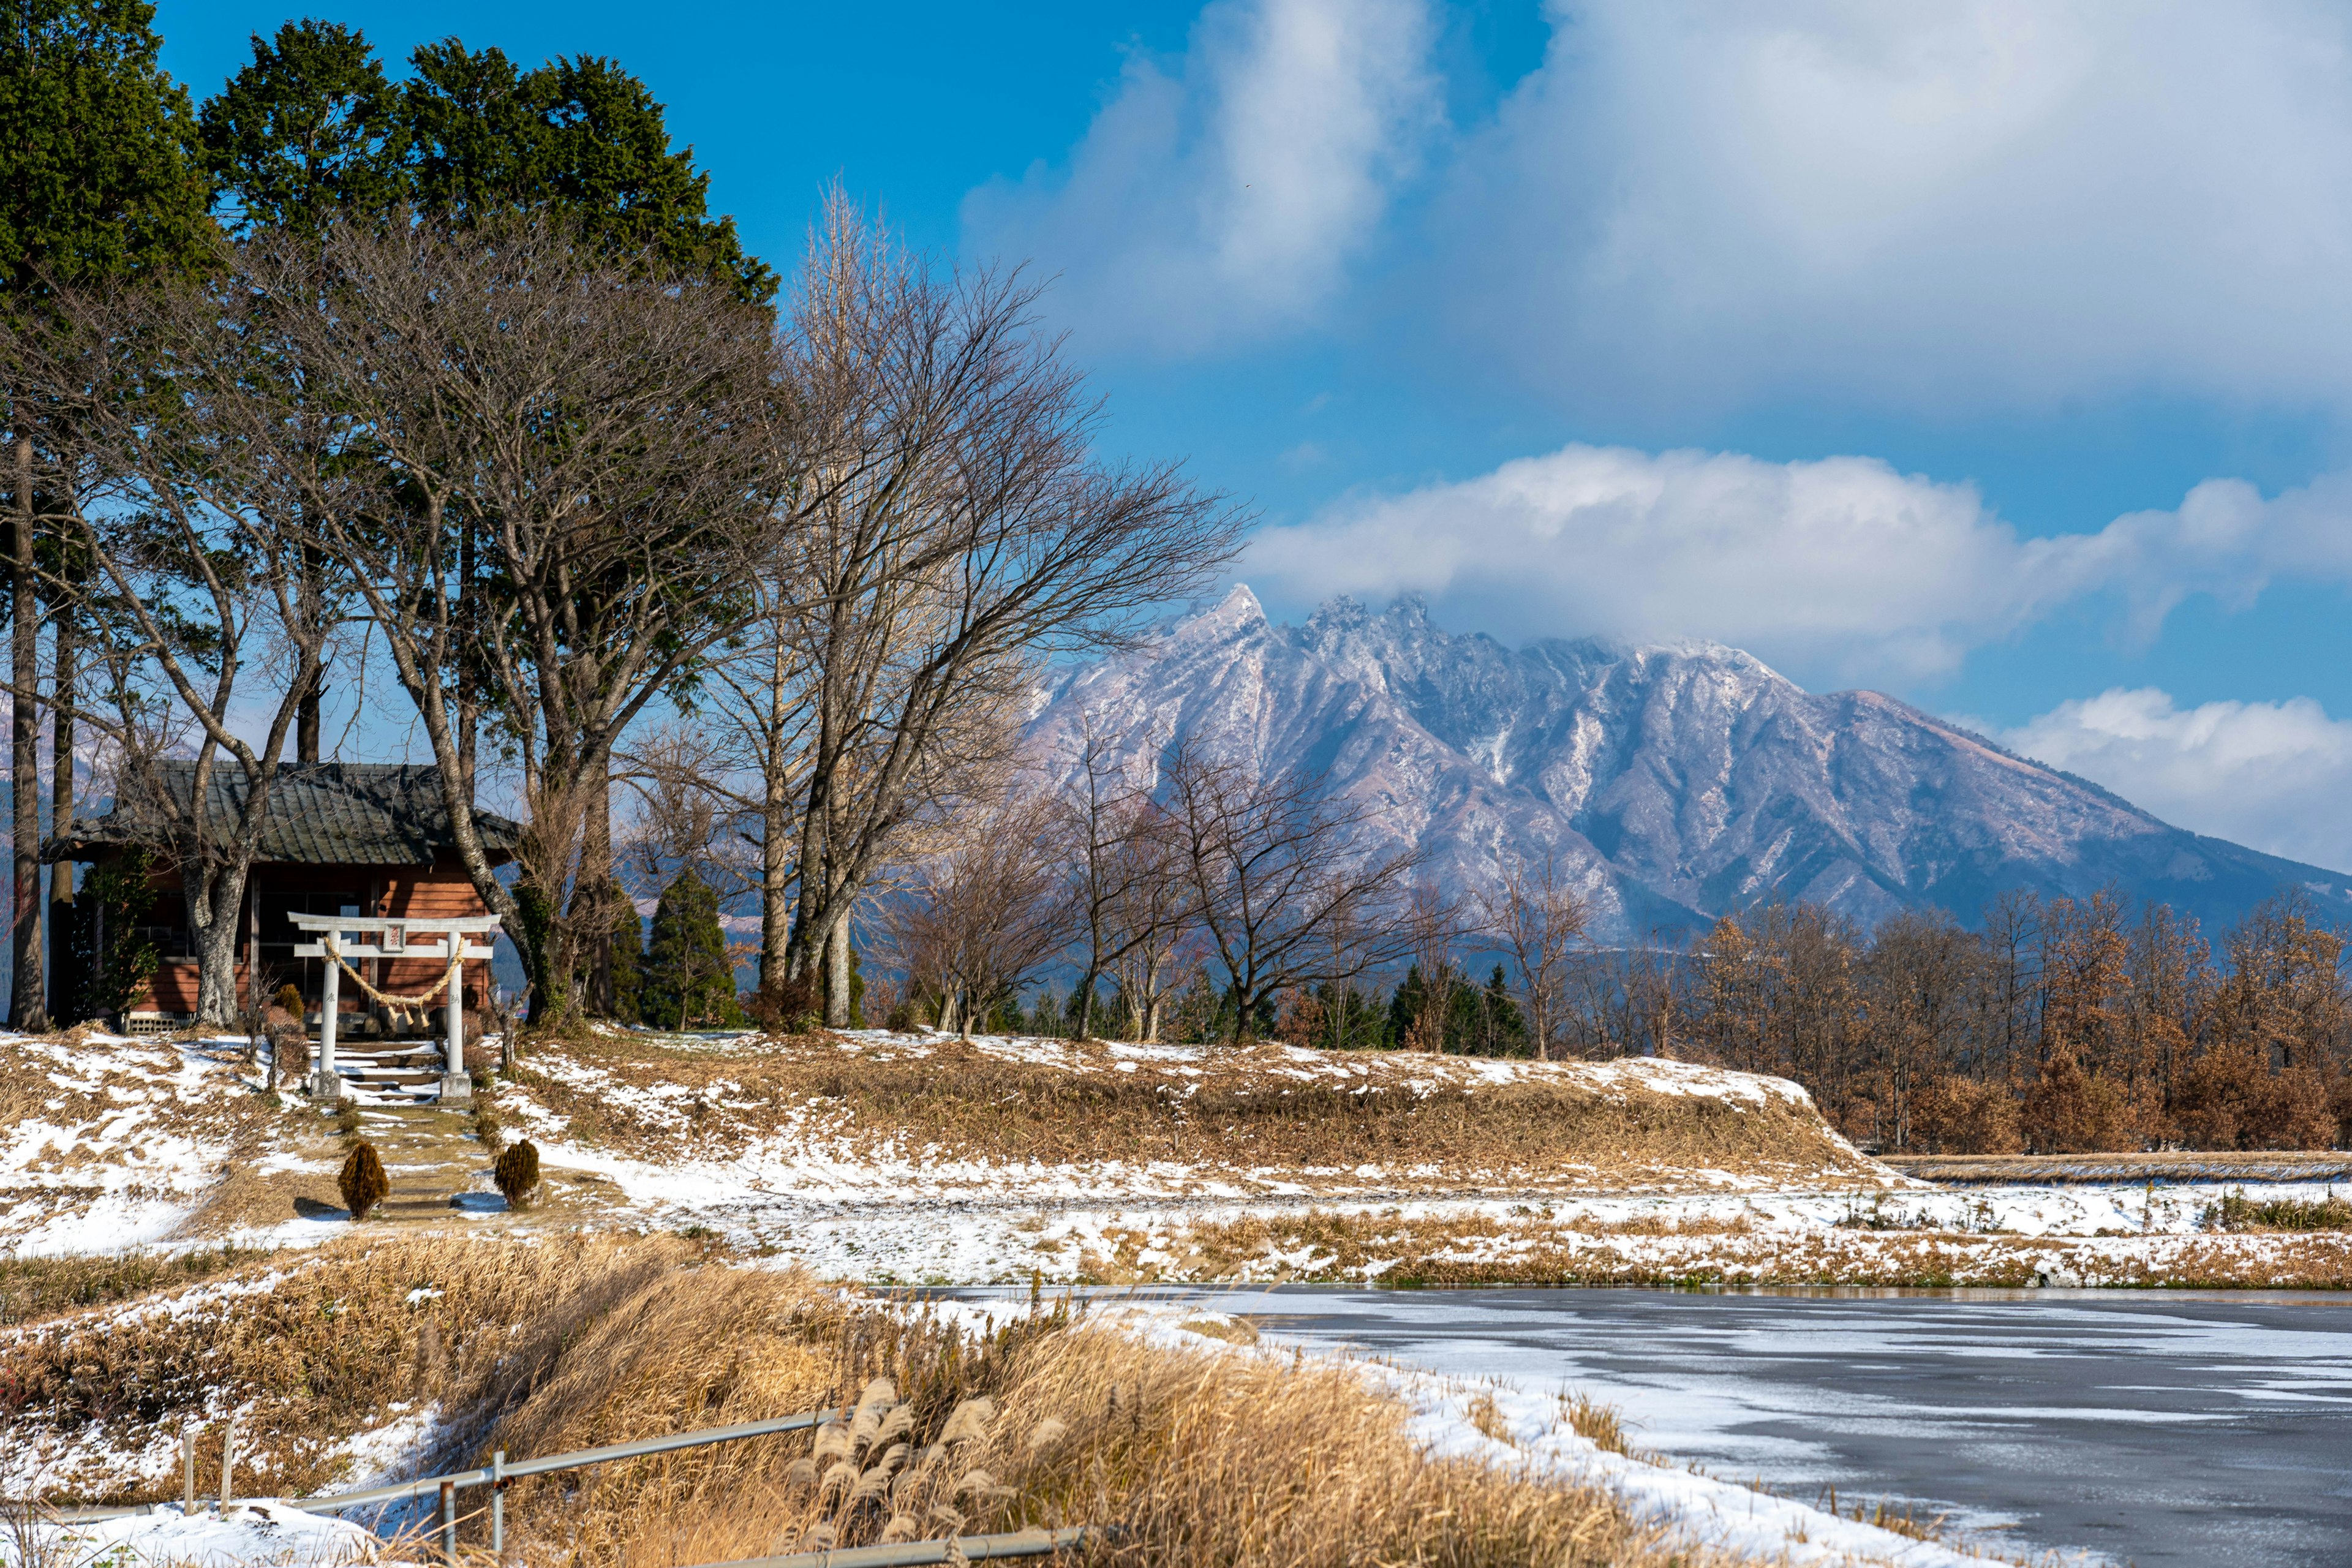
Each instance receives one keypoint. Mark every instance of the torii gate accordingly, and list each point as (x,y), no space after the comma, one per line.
(392,934)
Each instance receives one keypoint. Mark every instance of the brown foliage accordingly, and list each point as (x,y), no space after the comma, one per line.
(363,1182)
(2068,1111)
(2232,1098)
(517,1172)
(1959,1115)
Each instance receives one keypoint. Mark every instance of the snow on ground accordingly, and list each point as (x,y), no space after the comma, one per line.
(1506,1426)
(258,1533)
(118,1138)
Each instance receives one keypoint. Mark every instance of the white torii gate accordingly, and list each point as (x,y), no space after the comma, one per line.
(391,940)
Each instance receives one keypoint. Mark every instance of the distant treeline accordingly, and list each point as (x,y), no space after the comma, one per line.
(2058,1025)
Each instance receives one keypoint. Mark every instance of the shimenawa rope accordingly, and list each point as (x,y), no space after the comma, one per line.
(384,997)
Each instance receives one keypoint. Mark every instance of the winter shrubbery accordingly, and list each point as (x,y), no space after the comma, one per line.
(363,1182)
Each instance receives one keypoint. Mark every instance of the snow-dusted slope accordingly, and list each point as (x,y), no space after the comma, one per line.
(1673,782)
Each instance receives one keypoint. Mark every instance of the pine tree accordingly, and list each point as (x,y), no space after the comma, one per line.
(1505,1032)
(1405,1007)
(688,976)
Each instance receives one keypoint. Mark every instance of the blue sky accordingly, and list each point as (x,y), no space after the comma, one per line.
(1994,355)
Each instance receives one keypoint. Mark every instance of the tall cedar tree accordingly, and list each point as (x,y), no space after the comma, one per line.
(578,135)
(688,976)
(97,183)
(628,937)
(310,131)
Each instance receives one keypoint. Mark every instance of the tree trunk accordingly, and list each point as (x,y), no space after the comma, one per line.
(592,889)
(28,1010)
(215,905)
(469,708)
(836,974)
(62,818)
(306,728)
(1087,1004)
(775,841)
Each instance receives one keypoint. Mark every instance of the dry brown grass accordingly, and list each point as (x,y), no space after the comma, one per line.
(1425,1123)
(1486,1248)
(33,1289)
(1203,1458)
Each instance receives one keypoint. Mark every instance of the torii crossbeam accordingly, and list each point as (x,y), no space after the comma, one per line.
(388,937)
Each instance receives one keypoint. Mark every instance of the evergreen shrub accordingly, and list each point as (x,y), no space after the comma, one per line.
(516,1173)
(363,1180)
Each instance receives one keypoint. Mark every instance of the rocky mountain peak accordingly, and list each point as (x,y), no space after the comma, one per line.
(1674,781)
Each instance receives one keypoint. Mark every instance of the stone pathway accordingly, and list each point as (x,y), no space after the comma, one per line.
(436,1164)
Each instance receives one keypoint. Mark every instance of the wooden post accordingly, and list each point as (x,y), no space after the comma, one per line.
(229,1466)
(188,1465)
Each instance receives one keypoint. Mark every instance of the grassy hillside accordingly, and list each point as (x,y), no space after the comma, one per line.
(1318,1122)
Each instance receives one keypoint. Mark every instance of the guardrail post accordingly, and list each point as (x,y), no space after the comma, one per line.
(449,1522)
(498,1505)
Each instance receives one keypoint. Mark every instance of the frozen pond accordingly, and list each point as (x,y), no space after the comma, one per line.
(2145,1428)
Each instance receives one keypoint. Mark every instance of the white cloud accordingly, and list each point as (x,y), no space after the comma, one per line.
(1965,202)
(1227,200)
(2274,775)
(1841,563)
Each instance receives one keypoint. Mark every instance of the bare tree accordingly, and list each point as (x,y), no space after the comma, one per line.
(986,914)
(215,457)
(956,526)
(1432,925)
(1538,920)
(601,436)
(1278,866)
(1127,894)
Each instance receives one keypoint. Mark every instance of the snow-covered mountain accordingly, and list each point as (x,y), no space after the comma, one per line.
(1676,782)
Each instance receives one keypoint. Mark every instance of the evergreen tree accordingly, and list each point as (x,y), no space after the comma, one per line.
(311,128)
(1506,1030)
(628,956)
(1405,1008)
(1046,1016)
(688,975)
(578,135)
(97,172)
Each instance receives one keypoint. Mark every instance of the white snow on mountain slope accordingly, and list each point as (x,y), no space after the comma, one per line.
(1674,783)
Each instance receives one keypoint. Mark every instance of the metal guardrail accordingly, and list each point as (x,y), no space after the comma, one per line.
(497,1475)
(912,1553)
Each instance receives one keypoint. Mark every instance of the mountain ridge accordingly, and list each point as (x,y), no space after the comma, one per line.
(1673,782)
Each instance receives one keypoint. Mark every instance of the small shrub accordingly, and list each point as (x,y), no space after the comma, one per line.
(291,1000)
(786,1007)
(347,1119)
(487,1125)
(516,1173)
(363,1180)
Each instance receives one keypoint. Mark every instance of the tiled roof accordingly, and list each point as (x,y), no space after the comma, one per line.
(361,814)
